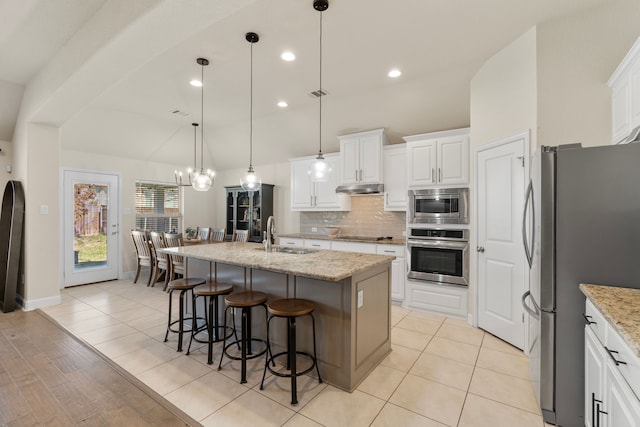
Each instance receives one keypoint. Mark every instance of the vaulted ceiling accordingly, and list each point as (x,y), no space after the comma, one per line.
(438,44)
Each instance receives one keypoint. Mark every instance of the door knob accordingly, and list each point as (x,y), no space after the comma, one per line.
(480,249)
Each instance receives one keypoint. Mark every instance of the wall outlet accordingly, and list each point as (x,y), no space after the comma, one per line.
(314,229)
(404,233)
(44,209)
(360,298)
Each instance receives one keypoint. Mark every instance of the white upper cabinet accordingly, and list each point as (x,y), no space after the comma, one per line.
(395,177)
(625,95)
(316,196)
(439,158)
(361,157)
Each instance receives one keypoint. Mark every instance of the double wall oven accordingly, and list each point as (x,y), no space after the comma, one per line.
(438,250)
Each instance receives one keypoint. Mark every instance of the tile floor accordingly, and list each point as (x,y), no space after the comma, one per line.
(441,372)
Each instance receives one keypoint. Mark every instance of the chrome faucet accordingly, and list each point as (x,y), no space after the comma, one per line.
(269,238)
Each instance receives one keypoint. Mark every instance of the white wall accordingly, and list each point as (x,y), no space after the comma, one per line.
(576,56)
(504,93)
(198,207)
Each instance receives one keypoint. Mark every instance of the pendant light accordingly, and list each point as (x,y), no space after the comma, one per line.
(320,168)
(251,181)
(199,179)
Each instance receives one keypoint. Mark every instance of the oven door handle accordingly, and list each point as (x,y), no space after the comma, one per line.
(437,244)
(529,196)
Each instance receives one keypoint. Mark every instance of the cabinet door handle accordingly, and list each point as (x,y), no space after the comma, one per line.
(433,175)
(356,175)
(315,200)
(588,320)
(612,354)
(439,175)
(315,245)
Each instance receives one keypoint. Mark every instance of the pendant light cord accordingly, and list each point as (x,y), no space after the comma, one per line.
(321,93)
(202,121)
(251,112)
(195,146)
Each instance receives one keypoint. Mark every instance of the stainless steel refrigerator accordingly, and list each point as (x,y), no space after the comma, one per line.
(581,225)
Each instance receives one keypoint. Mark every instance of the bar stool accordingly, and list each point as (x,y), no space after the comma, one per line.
(291,308)
(244,300)
(183,285)
(210,291)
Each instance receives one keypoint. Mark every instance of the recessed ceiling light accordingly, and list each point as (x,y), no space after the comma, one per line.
(394,73)
(282,104)
(196,83)
(288,56)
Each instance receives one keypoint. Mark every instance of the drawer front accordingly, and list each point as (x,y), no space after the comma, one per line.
(392,250)
(363,248)
(596,320)
(628,363)
(288,241)
(317,244)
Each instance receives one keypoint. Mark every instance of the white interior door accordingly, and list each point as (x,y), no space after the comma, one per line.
(501,262)
(91,231)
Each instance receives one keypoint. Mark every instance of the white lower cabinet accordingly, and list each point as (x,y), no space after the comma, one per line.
(363,248)
(610,379)
(291,241)
(317,244)
(398,269)
(450,300)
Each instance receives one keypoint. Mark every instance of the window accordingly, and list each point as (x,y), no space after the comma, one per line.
(158,207)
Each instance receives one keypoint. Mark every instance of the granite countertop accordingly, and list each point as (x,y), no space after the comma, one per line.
(394,241)
(327,265)
(620,307)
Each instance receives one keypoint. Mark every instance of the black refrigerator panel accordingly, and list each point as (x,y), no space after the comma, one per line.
(597,241)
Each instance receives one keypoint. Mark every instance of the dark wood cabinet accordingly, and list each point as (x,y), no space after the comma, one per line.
(249,210)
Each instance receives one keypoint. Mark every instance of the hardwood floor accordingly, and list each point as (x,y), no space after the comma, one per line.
(47,377)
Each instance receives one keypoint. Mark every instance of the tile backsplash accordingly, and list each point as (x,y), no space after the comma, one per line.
(366,218)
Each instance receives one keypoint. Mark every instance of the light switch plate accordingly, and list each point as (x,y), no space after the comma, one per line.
(314,229)
(360,298)
(44,209)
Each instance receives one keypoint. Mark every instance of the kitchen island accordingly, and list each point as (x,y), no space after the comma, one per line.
(351,293)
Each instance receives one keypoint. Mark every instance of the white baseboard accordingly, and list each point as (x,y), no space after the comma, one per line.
(32,304)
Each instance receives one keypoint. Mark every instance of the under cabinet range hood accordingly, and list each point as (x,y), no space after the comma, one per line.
(360,189)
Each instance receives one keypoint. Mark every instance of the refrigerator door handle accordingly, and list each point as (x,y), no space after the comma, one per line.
(529,196)
(535,312)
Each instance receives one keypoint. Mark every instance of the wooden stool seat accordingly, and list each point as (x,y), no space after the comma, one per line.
(245,299)
(290,307)
(211,288)
(182,284)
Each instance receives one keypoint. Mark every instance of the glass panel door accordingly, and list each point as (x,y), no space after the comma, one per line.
(90,227)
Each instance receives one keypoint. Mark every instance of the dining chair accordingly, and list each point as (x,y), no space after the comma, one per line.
(176,262)
(162,264)
(241,235)
(203,233)
(143,253)
(217,234)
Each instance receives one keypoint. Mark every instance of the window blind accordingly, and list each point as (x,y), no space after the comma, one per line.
(158,207)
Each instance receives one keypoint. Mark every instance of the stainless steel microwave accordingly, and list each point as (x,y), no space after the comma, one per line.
(439,206)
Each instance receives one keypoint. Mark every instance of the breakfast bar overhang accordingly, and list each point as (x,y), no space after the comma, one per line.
(351,293)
